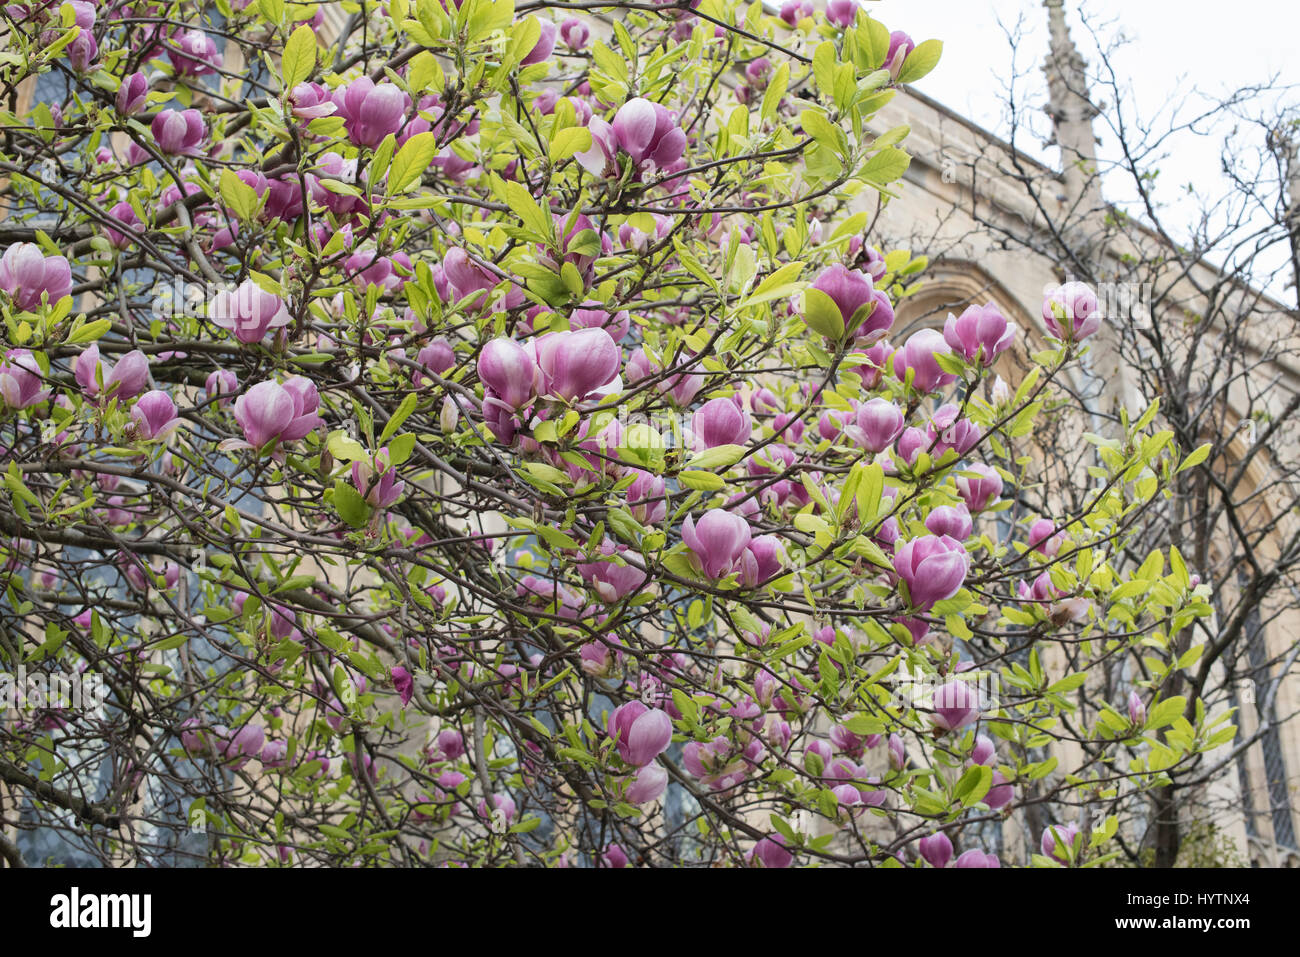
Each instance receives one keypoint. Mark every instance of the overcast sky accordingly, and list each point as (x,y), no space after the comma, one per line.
(1173,47)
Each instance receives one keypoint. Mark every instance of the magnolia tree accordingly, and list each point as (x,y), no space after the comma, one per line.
(473,436)
(1201,281)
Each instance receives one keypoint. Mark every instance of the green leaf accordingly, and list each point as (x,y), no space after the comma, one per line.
(401,415)
(1194,459)
(822,315)
(779,285)
(706,481)
(775,91)
(352,508)
(823,131)
(535,219)
(823,64)
(1068,683)
(400,448)
(344,448)
(411,161)
(718,457)
(566,142)
(921,61)
(383,157)
(299,58)
(1165,712)
(89,332)
(294,582)
(238,195)
(973,785)
(886,166)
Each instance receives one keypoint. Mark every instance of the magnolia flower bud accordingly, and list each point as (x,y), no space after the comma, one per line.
(956,705)
(1065,834)
(936,849)
(1137,710)
(132,94)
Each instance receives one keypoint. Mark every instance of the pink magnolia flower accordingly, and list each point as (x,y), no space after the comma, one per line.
(82,51)
(897,752)
(979,334)
(771,852)
(1072,312)
(841,13)
(977,858)
(718,540)
(574,34)
(195,54)
(241,745)
(877,424)
(1043,537)
(545,44)
(179,132)
(645,497)
(132,94)
(613,856)
(270,412)
(644,131)
(953,521)
(956,705)
(900,46)
(403,684)
(641,733)
(438,356)
(368,268)
(503,807)
(465,277)
(980,489)
(948,430)
(155,416)
(248,312)
(371,111)
(721,422)
(1040,591)
(221,385)
(1137,711)
(1066,835)
(717,764)
(123,214)
(792,11)
(310,101)
(577,364)
(933,566)
(509,374)
(1000,793)
(984,751)
(123,380)
(648,784)
(378,483)
(27,274)
(592,316)
(612,580)
(918,356)
(761,560)
(852,291)
(936,849)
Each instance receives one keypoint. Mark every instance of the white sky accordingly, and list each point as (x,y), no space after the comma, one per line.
(1175,46)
